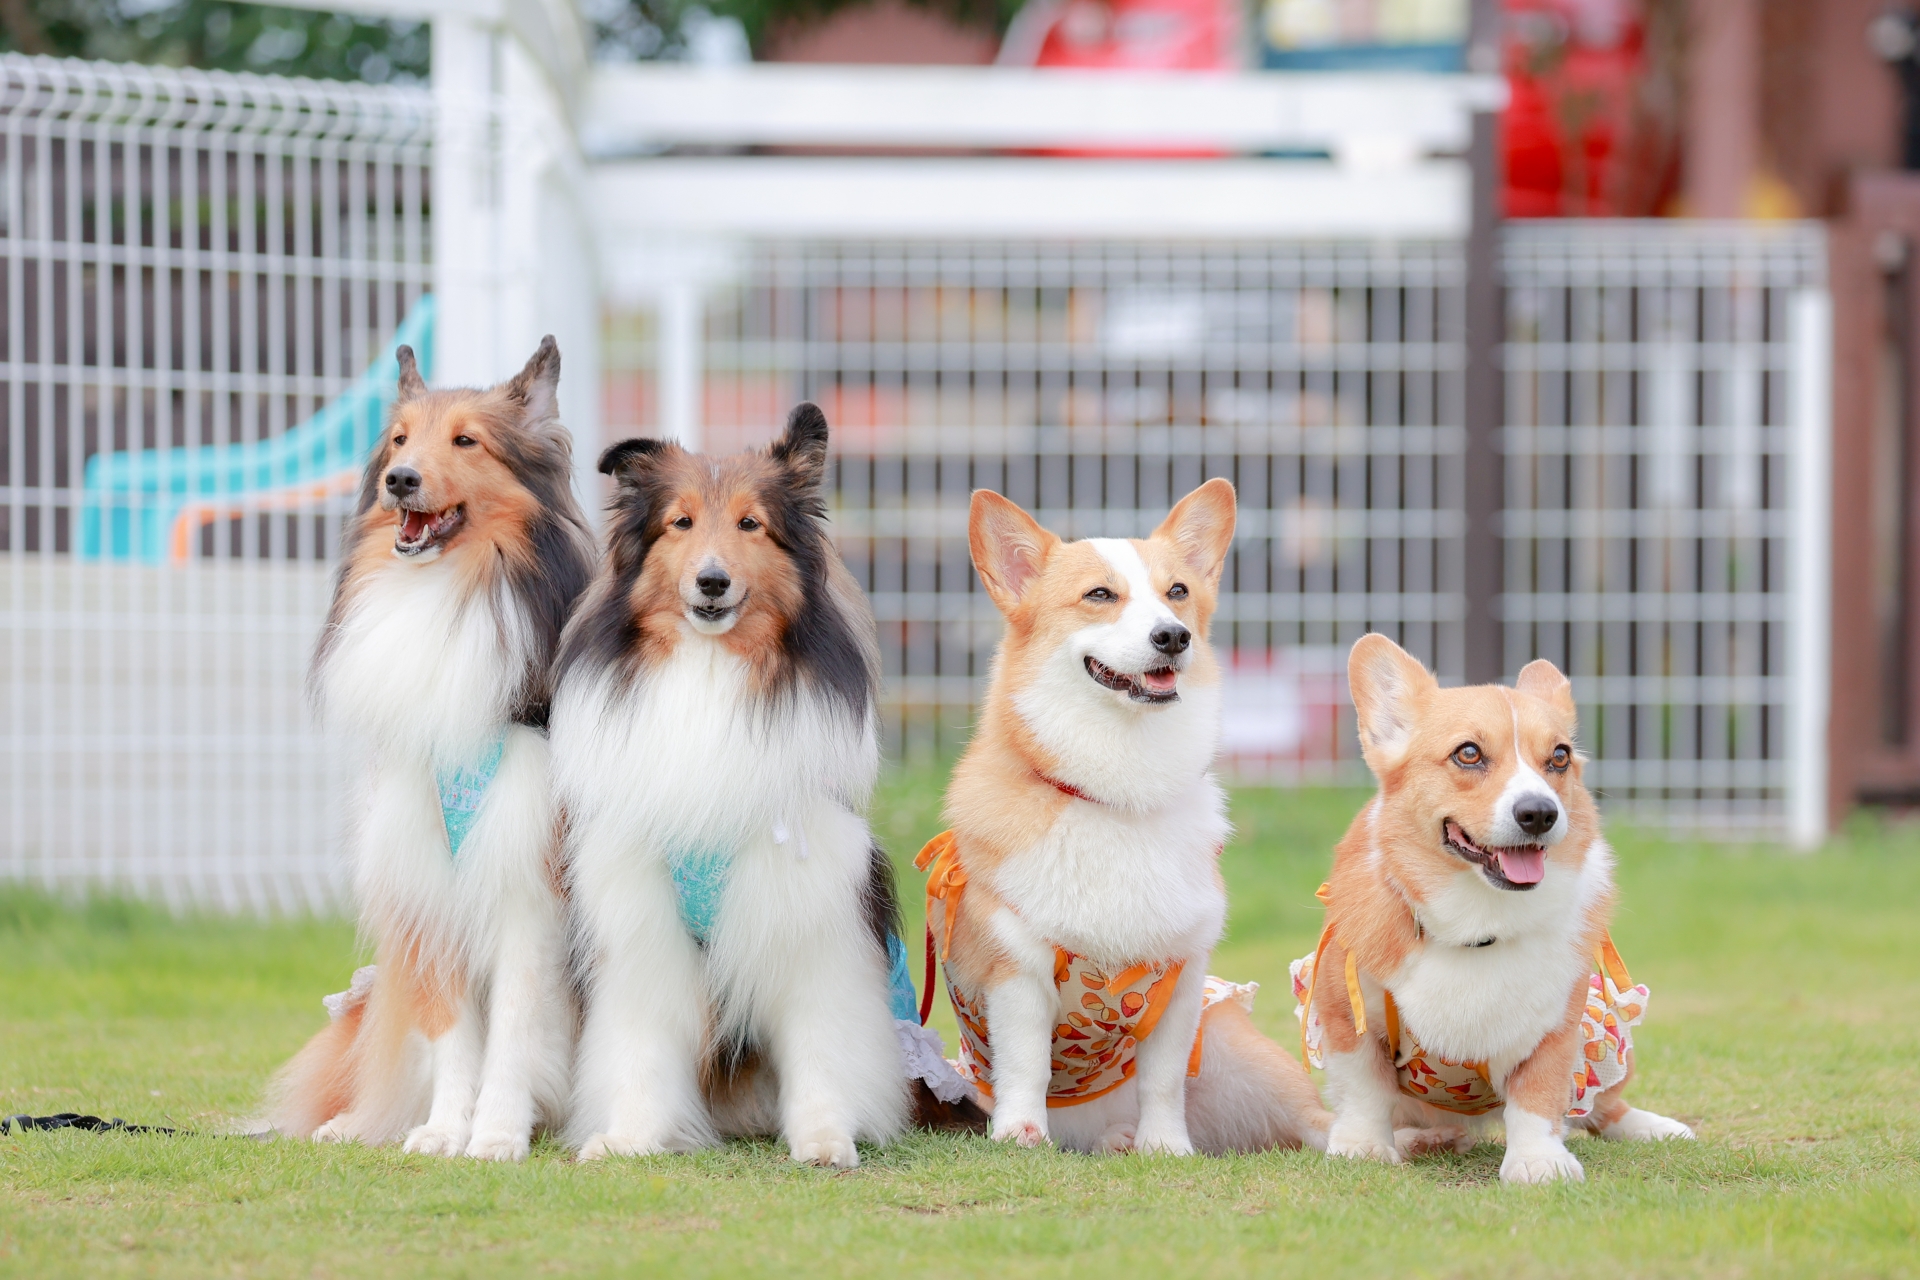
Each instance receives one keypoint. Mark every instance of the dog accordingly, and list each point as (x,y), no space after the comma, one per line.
(460,566)
(715,744)
(1465,966)
(1077,897)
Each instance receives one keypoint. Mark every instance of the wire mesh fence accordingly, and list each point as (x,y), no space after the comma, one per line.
(194,268)
(1651,451)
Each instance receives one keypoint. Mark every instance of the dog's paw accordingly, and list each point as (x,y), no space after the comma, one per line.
(602,1145)
(507,1148)
(333,1130)
(430,1141)
(1362,1144)
(1645,1126)
(1117,1140)
(826,1151)
(1414,1143)
(1026,1133)
(1543,1163)
(1160,1143)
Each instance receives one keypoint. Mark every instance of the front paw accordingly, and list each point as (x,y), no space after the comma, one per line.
(1414,1143)
(1355,1142)
(334,1130)
(602,1145)
(1541,1164)
(430,1141)
(1645,1126)
(826,1151)
(507,1148)
(1162,1142)
(1027,1133)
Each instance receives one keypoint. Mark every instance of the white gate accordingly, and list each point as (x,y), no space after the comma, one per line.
(194,268)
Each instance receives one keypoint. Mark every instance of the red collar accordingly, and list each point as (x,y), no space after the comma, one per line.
(1065,789)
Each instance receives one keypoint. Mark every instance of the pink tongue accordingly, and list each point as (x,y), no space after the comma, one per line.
(1160,681)
(414,527)
(1522,866)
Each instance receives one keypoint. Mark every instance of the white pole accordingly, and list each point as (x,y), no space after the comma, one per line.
(467,268)
(1811,572)
(681,371)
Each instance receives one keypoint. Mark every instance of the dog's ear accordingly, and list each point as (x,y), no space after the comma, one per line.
(1201,526)
(1009,547)
(411,383)
(1543,680)
(624,461)
(535,390)
(1389,688)
(802,450)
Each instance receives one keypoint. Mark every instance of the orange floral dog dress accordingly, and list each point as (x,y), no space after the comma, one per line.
(1105,1015)
(1614,1005)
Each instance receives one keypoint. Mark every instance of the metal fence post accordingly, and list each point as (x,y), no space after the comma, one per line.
(1812,338)
(1483,489)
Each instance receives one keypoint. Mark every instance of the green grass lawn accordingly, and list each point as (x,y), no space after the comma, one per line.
(1785,1027)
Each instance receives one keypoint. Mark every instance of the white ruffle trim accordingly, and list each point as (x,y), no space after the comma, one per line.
(340,1002)
(925,1055)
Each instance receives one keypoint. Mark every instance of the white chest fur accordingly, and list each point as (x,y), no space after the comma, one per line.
(423,668)
(1494,1003)
(1121,887)
(692,758)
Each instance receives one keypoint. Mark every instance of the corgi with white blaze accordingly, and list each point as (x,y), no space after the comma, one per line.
(716,743)
(1465,969)
(461,564)
(1078,897)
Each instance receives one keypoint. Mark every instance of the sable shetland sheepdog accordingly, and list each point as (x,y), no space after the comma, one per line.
(1078,896)
(1465,966)
(715,744)
(465,556)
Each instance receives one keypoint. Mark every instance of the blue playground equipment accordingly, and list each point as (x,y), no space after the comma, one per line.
(145,505)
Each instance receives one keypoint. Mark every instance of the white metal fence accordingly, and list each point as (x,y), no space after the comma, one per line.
(195,266)
(191,265)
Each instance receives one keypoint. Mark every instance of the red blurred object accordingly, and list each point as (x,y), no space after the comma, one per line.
(1134,35)
(1574,69)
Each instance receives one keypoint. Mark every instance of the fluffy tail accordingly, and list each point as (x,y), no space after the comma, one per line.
(1251,1094)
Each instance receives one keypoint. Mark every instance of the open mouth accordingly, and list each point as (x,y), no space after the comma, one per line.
(1520,867)
(1158,685)
(422,531)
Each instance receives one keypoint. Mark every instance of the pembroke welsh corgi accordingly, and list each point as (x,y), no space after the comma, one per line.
(460,567)
(1465,967)
(1078,897)
(716,744)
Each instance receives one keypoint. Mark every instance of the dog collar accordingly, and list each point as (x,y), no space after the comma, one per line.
(1067,788)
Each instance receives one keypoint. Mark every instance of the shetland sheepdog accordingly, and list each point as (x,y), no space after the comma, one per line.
(1465,968)
(715,745)
(460,567)
(1078,896)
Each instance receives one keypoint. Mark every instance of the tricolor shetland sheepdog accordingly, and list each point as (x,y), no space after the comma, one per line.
(1465,968)
(460,567)
(715,745)
(1078,896)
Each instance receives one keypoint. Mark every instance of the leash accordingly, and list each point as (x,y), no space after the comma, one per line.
(74,1120)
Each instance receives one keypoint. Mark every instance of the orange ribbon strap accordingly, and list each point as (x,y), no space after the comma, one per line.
(945,880)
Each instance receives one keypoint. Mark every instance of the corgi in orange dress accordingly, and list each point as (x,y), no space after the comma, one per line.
(1465,966)
(1078,896)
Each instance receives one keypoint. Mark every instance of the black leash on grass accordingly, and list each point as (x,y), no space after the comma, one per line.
(74,1120)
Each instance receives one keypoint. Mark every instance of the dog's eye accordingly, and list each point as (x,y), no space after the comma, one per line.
(465,442)
(684,522)
(748,524)
(1562,757)
(399,439)
(1468,755)
(1178,591)
(1099,595)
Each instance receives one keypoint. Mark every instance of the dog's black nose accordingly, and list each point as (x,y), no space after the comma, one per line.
(713,583)
(1536,814)
(1171,638)
(402,481)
